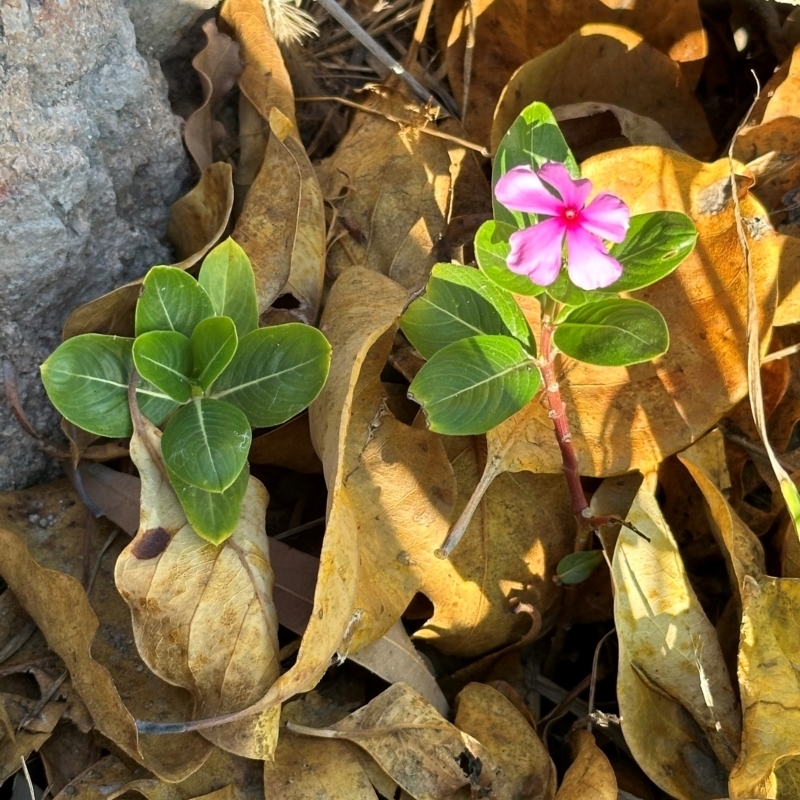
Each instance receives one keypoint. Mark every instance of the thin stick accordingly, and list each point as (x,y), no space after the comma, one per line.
(27,777)
(402,122)
(469,53)
(593,684)
(419,33)
(778,354)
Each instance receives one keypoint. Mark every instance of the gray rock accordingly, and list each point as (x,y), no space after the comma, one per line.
(90,161)
(160,24)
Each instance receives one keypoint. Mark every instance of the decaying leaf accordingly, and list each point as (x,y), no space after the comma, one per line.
(510,32)
(590,776)
(609,64)
(282,223)
(668,649)
(203,616)
(392,188)
(197,222)
(218,66)
(769,651)
(525,769)
(101,662)
(420,750)
(631,418)
(287,446)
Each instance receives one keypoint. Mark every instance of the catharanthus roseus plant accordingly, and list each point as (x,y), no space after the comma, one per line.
(575,248)
(206,373)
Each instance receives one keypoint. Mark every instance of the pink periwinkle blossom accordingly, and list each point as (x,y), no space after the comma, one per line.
(538,251)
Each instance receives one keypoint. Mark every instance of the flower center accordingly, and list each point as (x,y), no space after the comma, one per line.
(570,214)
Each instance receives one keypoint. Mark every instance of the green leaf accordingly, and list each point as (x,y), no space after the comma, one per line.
(491,251)
(655,245)
(533,140)
(276,373)
(227,277)
(613,333)
(213,515)
(459,303)
(577,567)
(214,344)
(171,300)
(164,358)
(86,379)
(563,290)
(206,444)
(474,384)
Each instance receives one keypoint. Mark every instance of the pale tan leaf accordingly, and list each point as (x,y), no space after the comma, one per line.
(668,639)
(590,776)
(525,769)
(202,614)
(422,752)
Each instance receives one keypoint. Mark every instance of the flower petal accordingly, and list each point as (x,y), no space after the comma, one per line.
(537,251)
(607,217)
(589,265)
(573,192)
(521,190)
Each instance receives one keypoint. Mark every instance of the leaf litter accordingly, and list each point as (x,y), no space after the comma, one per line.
(303,635)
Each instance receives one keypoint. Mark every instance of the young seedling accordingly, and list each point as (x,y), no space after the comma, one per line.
(206,373)
(575,257)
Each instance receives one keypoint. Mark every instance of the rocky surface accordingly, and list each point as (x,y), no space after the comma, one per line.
(90,161)
(160,24)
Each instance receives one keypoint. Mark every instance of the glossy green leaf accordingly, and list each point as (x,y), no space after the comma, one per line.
(613,333)
(655,245)
(491,251)
(86,379)
(213,346)
(577,567)
(474,384)
(533,140)
(563,290)
(228,279)
(459,303)
(276,373)
(206,444)
(164,358)
(213,515)
(171,300)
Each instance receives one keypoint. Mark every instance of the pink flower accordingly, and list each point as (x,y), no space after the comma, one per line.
(538,251)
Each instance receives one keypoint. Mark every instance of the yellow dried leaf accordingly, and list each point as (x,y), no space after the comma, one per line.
(590,776)
(609,64)
(526,769)
(203,616)
(632,418)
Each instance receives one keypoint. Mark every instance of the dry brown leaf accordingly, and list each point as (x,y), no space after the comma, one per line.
(609,64)
(203,616)
(288,446)
(100,658)
(769,651)
(668,642)
(16,744)
(392,189)
(420,750)
(67,753)
(218,67)
(632,418)
(511,32)
(668,637)
(198,221)
(322,769)
(282,223)
(590,776)
(524,764)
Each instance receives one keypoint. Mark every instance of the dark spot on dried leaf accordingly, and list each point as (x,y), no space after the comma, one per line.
(151,543)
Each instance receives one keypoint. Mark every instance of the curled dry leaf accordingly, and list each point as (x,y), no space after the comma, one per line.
(609,64)
(590,776)
(669,652)
(420,750)
(203,616)
(769,650)
(632,418)
(197,222)
(392,187)
(19,740)
(101,664)
(525,769)
(510,32)
(282,223)
(218,66)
